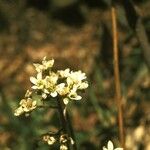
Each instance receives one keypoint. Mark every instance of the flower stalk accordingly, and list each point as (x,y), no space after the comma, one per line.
(62,115)
(71,131)
(63,120)
(62,85)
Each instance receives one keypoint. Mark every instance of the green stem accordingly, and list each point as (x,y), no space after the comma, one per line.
(71,131)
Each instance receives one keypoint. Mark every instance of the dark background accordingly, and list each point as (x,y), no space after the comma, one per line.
(77,34)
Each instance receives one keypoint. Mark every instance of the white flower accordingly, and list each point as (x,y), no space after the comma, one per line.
(26,105)
(53,94)
(38,82)
(71,141)
(76,77)
(50,84)
(63,83)
(19,111)
(45,65)
(73,95)
(62,89)
(49,139)
(64,73)
(110,146)
(28,94)
(63,141)
(52,78)
(44,95)
(63,147)
(63,138)
(83,85)
(74,81)
(46,85)
(66,100)
(38,67)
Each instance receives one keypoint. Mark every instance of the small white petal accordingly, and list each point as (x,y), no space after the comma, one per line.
(46,91)
(34,87)
(44,96)
(69,81)
(64,73)
(110,145)
(74,96)
(38,67)
(54,94)
(18,111)
(104,148)
(34,103)
(44,58)
(25,109)
(66,101)
(39,76)
(28,94)
(51,140)
(63,147)
(61,85)
(71,141)
(33,80)
(83,85)
(78,97)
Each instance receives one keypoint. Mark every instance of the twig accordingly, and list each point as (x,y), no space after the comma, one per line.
(117,76)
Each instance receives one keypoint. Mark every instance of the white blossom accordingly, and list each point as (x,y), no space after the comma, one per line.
(50,84)
(63,147)
(38,82)
(28,94)
(45,65)
(66,100)
(63,83)
(76,77)
(73,94)
(49,139)
(83,85)
(110,146)
(26,105)
(64,73)
(62,89)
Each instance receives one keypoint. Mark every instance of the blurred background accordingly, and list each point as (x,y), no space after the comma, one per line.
(77,34)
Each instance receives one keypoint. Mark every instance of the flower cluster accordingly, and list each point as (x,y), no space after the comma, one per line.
(26,105)
(110,146)
(64,84)
(63,139)
(50,140)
